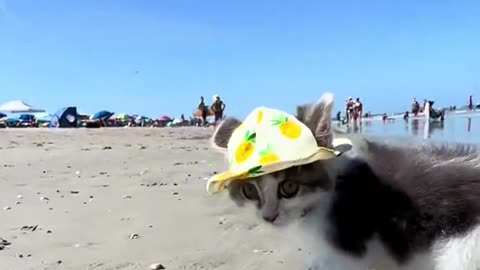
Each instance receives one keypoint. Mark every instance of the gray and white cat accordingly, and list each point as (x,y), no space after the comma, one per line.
(382,205)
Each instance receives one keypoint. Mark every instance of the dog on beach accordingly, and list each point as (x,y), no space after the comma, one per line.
(381,205)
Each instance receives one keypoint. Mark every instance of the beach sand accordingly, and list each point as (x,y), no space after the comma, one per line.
(124,199)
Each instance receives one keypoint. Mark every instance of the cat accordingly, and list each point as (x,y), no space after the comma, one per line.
(383,205)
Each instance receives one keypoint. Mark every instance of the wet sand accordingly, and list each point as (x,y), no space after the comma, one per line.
(124,199)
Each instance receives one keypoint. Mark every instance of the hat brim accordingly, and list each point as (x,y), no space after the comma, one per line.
(219,182)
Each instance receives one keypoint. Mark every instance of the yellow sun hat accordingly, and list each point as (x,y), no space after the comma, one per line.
(270,140)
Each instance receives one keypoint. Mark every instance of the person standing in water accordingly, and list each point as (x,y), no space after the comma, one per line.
(415,107)
(218,107)
(358,107)
(346,111)
(350,110)
(470,103)
(405,116)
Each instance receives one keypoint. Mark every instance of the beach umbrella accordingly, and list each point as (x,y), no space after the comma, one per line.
(102,115)
(165,118)
(18,106)
(2,115)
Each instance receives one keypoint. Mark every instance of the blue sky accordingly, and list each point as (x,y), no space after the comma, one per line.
(158,57)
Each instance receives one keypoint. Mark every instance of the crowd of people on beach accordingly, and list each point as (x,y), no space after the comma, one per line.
(105,118)
(416,108)
(434,113)
(354,113)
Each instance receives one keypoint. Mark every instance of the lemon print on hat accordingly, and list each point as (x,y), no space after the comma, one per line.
(259,116)
(268,156)
(246,149)
(288,128)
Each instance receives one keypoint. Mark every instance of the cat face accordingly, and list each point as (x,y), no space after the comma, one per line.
(289,194)
(285,196)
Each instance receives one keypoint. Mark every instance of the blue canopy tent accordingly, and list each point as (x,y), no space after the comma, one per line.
(65,118)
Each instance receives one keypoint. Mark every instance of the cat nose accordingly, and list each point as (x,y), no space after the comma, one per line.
(270,218)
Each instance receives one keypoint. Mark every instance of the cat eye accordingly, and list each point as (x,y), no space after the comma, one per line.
(250,192)
(288,189)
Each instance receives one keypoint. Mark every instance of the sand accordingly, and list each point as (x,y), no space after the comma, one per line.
(124,199)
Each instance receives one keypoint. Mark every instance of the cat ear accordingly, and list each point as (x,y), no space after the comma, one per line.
(318,117)
(223,132)
(301,111)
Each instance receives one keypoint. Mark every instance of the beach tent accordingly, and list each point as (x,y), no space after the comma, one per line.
(65,118)
(18,106)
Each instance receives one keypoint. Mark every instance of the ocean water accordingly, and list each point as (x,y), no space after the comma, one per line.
(457,127)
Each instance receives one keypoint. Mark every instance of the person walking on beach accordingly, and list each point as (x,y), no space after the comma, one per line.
(470,103)
(204,110)
(218,107)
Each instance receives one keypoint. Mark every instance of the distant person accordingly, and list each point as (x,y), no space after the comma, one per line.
(470,103)
(218,107)
(358,108)
(405,116)
(339,116)
(346,110)
(204,110)
(384,117)
(415,107)
(350,109)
